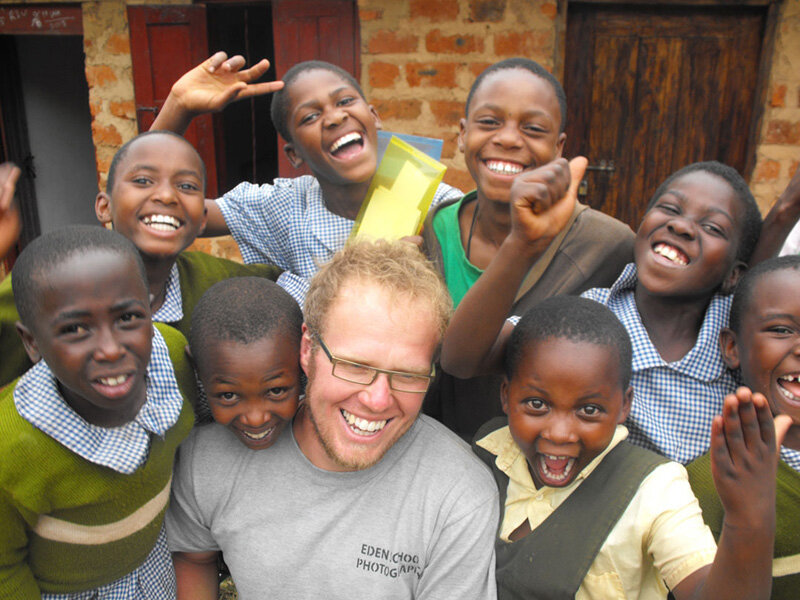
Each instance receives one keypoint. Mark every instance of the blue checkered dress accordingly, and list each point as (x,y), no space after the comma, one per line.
(171,310)
(791,457)
(287,224)
(673,403)
(123,449)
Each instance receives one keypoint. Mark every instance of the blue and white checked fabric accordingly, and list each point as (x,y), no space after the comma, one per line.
(791,457)
(153,580)
(673,403)
(124,448)
(287,224)
(171,310)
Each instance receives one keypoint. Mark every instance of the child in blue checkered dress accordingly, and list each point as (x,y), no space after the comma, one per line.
(328,125)
(701,227)
(88,435)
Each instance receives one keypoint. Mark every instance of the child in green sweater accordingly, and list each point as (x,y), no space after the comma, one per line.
(155,197)
(88,435)
(764,341)
(245,346)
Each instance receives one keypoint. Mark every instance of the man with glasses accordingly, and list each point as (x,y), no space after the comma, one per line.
(363,496)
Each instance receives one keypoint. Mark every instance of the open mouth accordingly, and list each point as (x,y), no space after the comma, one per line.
(161,222)
(257,436)
(555,470)
(114,385)
(789,387)
(674,255)
(361,426)
(348,145)
(503,167)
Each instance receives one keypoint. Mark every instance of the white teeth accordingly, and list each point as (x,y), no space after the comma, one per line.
(162,222)
(257,436)
(345,139)
(556,476)
(790,378)
(670,253)
(113,381)
(502,167)
(362,426)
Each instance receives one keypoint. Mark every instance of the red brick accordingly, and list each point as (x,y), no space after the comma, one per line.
(793,167)
(479,67)
(99,75)
(105,135)
(118,44)
(369,15)
(453,44)
(767,170)
(550,10)
(398,109)
(383,75)
(459,178)
(778,98)
(95,108)
(389,42)
(224,247)
(103,165)
(487,10)
(125,110)
(450,145)
(439,74)
(783,132)
(447,112)
(515,43)
(435,10)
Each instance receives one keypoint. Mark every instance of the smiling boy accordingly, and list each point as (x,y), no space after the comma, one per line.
(155,197)
(321,112)
(88,435)
(566,473)
(764,341)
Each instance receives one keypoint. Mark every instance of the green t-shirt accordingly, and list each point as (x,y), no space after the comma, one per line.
(459,273)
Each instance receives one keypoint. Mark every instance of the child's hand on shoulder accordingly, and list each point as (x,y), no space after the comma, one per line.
(220,80)
(543,199)
(9,214)
(744,458)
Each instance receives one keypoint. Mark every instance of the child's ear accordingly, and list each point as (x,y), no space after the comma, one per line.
(294,159)
(627,401)
(729,348)
(504,394)
(729,284)
(102,208)
(203,226)
(562,137)
(376,116)
(190,357)
(31,349)
(462,128)
(305,349)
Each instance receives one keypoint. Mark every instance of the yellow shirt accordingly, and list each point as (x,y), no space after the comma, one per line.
(660,536)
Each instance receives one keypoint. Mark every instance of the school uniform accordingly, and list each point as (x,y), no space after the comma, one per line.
(83,506)
(786,557)
(673,402)
(658,537)
(287,223)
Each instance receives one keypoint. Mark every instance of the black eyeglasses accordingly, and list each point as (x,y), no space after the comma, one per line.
(354,372)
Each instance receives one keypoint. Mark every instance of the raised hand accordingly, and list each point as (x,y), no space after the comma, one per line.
(543,199)
(9,214)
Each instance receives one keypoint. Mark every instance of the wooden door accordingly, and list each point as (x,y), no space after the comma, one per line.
(652,89)
(313,30)
(167,41)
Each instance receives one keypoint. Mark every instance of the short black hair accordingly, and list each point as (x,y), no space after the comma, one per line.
(751,225)
(243,310)
(575,319)
(279,109)
(528,65)
(123,151)
(743,295)
(50,250)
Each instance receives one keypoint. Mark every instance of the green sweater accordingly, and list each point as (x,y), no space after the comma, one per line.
(197,271)
(52,502)
(786,563)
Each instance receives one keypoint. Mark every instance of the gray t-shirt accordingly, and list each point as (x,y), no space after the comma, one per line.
(419,524)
